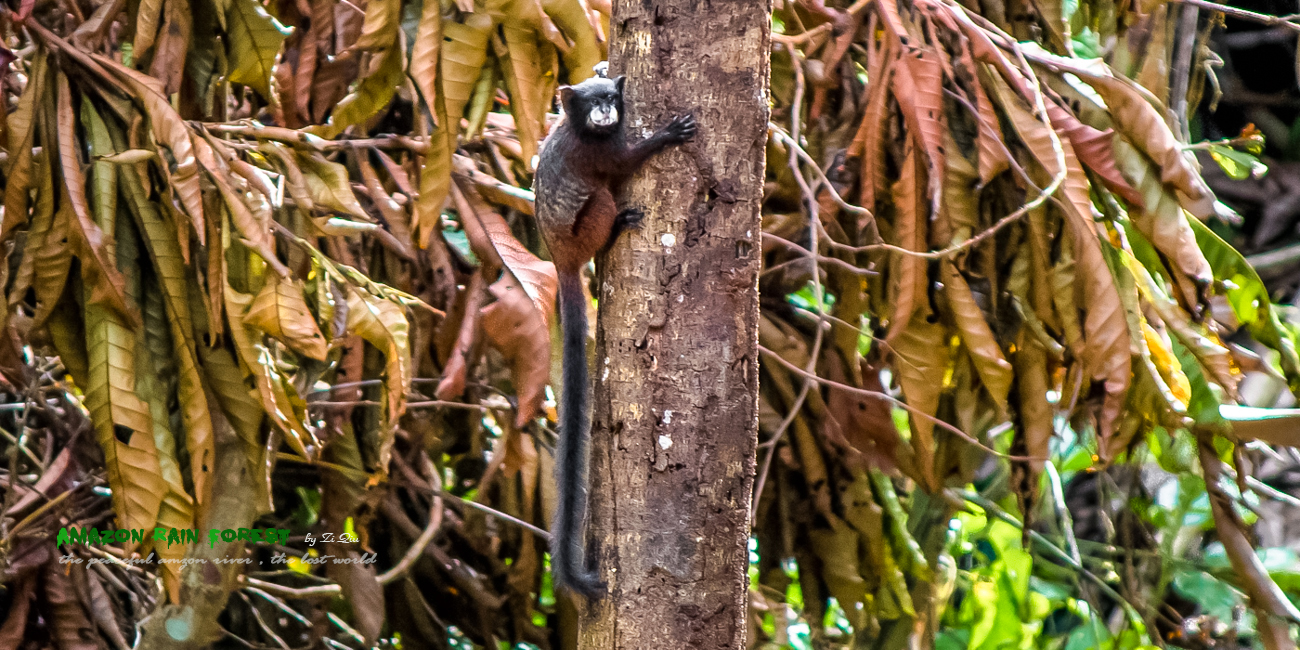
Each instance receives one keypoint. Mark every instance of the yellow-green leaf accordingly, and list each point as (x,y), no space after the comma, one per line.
(255,39)
(370,96)
(1160,217)
(329,185)
(464,50)
(380,28)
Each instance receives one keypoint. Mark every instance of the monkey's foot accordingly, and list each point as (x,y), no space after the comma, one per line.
(586,585)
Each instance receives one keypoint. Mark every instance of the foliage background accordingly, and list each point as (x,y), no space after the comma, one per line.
(1014,376)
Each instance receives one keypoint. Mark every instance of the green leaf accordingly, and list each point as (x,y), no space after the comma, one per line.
(1215,597)
(255,39)
(1248,297)
(1238,165)
(309,502)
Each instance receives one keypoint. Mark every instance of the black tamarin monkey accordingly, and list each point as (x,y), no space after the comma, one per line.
(582,165)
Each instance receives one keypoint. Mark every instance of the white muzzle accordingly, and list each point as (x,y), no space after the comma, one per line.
(603,116)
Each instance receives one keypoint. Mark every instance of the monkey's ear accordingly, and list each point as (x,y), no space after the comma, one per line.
(566,94)
(618,83)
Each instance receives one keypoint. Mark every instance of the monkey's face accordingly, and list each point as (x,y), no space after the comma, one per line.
(595,105)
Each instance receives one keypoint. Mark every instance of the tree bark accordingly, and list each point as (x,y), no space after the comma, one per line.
(676,374)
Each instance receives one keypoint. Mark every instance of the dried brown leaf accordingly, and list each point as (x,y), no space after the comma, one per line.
(1139,122)
(922,355)
(21,138)
(380,28)
(69,626)
(1159,216)
(173,43)
(994,370)
(1105,331)
(910,221)
(105,282)
(280,310)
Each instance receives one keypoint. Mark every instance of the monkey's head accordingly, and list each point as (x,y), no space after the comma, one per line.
(595,106)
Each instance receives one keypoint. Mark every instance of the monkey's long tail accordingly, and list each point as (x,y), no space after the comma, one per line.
(572,457)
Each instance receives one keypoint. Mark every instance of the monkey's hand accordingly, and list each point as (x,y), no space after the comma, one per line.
(680,130)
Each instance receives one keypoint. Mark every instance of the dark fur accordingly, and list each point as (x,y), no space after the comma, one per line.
(581,170)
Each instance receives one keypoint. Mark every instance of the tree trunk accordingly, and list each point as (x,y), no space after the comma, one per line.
(676,374)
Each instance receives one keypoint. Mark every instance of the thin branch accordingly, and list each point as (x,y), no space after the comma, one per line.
(498,514)
(279,604)
(309,141)
(1281,21)
(47,506)
(347,629)
(301,593)
(410,405)
(413,553)
(835,261)
(261,622)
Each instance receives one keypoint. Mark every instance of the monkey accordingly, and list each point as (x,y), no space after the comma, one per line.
(582,166)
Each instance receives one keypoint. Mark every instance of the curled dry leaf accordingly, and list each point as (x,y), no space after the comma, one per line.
(922,361)
(910,231)
(587,51)
(1139,122)
(456,369)
(280,310)
(171,132)
(106,282)
(383,324)
(173,43)
(379,31)
(518,329)
(1160,218)
(1105,335)
(521,64)
(1095,151)
(425,56)
(284,409)
(21,135)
